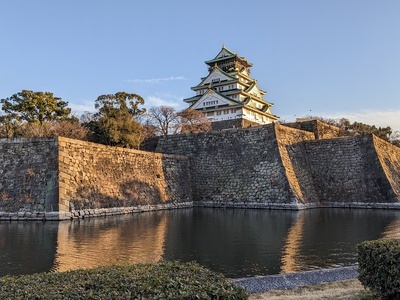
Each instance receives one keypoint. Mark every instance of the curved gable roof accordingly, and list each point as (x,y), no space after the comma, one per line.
(216,73)
(224,54)
(212,95)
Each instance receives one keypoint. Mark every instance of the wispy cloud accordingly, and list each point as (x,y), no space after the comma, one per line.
(158,101)
(156,80)
(80,108)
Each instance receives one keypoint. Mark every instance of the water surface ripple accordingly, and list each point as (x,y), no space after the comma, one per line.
(236,242)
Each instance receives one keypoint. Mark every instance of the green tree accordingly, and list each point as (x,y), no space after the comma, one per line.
(8,126)
(114,122)
(355,128)
(382,132)
(35,107)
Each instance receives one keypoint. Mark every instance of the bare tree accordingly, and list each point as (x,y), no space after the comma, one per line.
(165,119)
(193,121)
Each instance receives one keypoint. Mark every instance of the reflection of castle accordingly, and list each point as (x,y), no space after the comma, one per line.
(228,96)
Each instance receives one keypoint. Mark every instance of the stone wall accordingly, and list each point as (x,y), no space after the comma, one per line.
(389,158)
(233,123)
(239,166)
(287,138)
(276,166)
(341,170)
(271,166)
(63,178)
(28,175)
(320,129)
(94,176)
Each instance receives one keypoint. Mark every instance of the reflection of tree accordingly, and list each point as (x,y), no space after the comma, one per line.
(292,245)
(136,238)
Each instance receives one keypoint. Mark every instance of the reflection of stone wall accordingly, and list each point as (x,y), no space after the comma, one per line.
(28,176)
(94,176)
(122,240)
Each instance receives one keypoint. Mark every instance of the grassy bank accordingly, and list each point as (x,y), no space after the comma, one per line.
(165,280)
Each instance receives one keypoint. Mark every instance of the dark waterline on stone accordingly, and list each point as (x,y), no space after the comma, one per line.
(235,242)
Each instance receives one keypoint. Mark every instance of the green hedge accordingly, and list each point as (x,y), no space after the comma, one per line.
(165,280)
(379,267)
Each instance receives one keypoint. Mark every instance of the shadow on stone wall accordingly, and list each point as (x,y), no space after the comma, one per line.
(133,193)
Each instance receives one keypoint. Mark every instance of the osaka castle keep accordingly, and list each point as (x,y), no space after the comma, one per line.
(228,96)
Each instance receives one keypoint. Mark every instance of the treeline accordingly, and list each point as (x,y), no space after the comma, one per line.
(119,119)
(350,129)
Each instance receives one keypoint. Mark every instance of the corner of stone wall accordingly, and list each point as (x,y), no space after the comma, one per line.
(389,159)
(29,177)
(286,137)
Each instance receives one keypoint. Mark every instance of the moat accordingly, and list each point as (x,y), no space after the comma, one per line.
(236,242)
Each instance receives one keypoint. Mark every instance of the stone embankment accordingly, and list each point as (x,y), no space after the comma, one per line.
(280,167)
(28,175)
(267,167)
(56,179)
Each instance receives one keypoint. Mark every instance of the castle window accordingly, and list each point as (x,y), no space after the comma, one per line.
(215,80)
(210,103)
(218,113)
(211,113)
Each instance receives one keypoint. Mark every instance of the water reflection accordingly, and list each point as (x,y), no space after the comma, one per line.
(27,247)
(235,242)
(115,240)
(291,250)
(392,231)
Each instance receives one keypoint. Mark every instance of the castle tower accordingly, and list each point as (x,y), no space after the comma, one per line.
(228,96)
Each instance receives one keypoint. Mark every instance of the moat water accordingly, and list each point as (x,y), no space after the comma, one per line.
(235,242)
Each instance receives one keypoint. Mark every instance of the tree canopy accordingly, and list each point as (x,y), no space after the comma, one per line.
(38,114)
(348,129)
(121,103)
(114,122)
(35,107)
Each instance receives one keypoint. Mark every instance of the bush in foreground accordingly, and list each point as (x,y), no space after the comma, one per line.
(379,267)
(165,280)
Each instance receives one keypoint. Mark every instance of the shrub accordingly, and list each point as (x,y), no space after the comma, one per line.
(379,267)
(165,280)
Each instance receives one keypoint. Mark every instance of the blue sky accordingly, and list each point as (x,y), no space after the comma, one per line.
(331,58)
